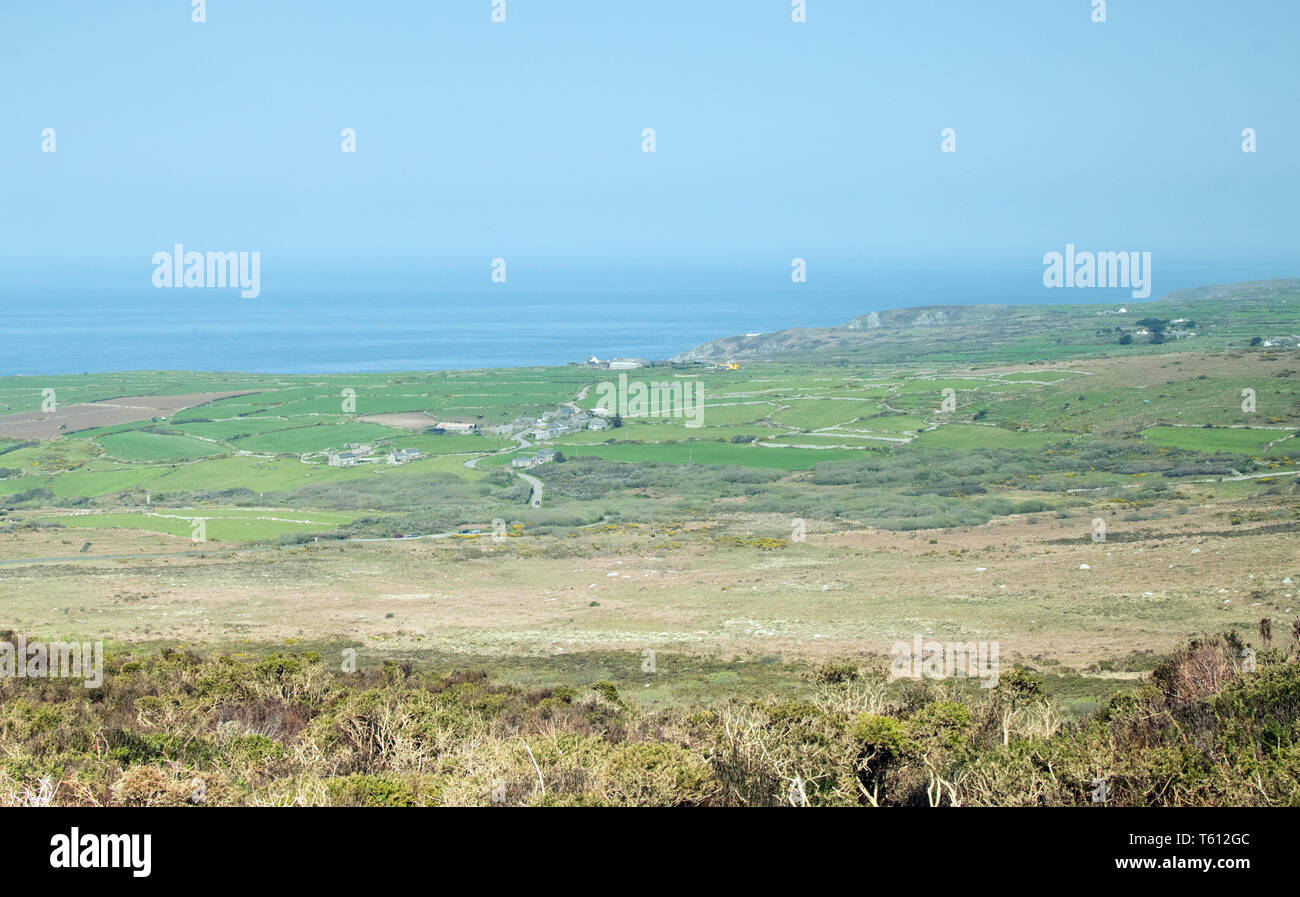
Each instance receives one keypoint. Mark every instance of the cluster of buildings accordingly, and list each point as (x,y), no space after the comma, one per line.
(543,456)
(1280,341)
(401,456)
(562,421)
(357,453)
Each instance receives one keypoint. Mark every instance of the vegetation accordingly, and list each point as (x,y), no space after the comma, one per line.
(172,728)
(1045,476)
(865,445)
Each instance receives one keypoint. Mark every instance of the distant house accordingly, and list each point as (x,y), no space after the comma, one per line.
(401,456)
(1281,341)
(624,364)
(342,459)
(598,424)
(455,426)
(543,456)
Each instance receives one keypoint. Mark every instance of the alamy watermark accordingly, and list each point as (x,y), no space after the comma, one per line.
(679,398)
(943,660)
(53,660)
(1125,270)
(89,851)
(179,268)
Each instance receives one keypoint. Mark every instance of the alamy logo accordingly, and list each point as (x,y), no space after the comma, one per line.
(1248,400)
(936,660)
(1126,270)
(77,851)
(56,660)
(179,268)
(680,398)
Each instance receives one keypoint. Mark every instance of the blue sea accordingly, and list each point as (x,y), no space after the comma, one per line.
(325,324)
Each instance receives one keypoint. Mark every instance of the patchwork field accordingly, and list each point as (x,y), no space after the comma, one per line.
(61,418)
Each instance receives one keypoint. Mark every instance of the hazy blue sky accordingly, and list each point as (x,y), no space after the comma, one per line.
(522,139)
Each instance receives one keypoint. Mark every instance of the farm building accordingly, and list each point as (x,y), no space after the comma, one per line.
(401,456)
(543,456)
(454,426)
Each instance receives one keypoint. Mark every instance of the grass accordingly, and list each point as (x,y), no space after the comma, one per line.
(708,453)
(813,413)
(139,445)
(225,430)
(1200,439)
(961,436)
(317,438)
(221,524)
(450,444)
(683,547)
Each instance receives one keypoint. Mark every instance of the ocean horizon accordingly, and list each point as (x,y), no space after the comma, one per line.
(319,325)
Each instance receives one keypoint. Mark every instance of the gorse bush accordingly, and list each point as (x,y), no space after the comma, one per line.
(173,728)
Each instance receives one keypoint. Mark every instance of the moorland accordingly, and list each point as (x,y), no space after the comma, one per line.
(1108,492)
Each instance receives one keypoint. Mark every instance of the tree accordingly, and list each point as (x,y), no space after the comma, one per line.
(1126,339)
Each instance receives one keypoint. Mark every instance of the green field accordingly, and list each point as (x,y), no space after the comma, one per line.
(138,445)
(711,453)
(224,430)
(220,524)
(317,438)
(973,436)
(1201,439)
(450,444)
(1086,428)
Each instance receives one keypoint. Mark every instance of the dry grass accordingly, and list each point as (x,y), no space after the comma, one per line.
(849,594)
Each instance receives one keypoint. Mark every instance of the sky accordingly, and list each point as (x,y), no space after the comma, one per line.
(523,139)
